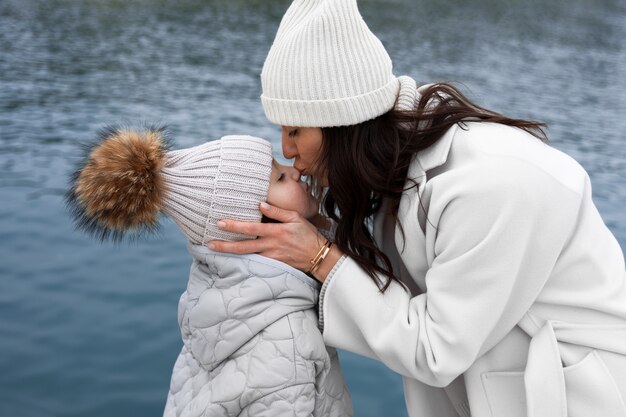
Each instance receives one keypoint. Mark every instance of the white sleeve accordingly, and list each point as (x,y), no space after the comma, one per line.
(495,245)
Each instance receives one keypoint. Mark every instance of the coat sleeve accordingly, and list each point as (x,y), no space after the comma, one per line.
(494,245)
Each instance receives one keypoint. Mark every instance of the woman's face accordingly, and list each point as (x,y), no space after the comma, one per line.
(286,191)
(303,144)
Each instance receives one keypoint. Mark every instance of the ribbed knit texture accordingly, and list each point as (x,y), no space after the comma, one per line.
(326,68)
(222,179)
(408,95)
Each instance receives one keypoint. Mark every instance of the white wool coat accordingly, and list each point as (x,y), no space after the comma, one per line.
(517,302)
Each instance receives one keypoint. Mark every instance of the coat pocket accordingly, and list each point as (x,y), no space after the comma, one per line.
(590,391)
(505,393)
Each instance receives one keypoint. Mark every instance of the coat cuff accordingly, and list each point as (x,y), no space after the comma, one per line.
(329,277)
(345,278)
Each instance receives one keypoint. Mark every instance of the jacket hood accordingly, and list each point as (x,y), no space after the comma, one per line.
(232,298)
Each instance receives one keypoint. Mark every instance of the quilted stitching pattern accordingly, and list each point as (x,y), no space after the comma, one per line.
(251,345)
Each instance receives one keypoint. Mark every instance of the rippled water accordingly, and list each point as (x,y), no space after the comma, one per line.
(90,329)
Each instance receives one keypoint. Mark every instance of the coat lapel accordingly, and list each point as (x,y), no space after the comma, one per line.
(412,208)
(437,154)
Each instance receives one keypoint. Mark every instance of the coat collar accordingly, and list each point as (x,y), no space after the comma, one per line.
(433,156)
(436,155)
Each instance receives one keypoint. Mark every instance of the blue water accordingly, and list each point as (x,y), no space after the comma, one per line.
(89,329)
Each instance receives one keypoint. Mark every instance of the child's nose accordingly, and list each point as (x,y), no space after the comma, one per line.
(294,173)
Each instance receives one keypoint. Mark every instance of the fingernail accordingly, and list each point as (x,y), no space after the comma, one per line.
(264,205)
(221,224)
(211,246)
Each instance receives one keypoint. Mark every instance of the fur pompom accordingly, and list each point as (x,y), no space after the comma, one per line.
(119,187)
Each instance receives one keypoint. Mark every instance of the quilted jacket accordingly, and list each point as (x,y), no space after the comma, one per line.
(251,343)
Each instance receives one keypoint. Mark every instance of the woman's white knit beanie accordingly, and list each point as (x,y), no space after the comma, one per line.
(326,68)
(222,179)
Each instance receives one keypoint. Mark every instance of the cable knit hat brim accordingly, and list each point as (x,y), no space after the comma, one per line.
(242,184)
(222,179)
(334,112)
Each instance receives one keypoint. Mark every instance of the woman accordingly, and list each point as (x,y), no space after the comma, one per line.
(490,281)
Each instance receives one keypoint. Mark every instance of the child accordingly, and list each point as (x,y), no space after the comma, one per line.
(251,345)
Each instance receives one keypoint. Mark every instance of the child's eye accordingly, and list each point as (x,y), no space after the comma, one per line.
(292,133)
(281,176)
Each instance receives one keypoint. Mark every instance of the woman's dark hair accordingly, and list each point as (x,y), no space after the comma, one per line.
(367,162)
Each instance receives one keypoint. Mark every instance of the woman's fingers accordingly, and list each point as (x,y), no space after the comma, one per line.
(275,213)
(246,228)
(294,240)
(240,247)
(260,229)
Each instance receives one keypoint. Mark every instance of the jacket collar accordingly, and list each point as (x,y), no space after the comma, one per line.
(203,254)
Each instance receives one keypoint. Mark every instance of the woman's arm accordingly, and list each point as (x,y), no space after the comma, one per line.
(494,246)
(294,240)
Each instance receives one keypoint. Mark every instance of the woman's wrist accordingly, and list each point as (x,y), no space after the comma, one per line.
(327,264)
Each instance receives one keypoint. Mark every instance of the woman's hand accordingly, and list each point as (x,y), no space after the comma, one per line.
(294,240)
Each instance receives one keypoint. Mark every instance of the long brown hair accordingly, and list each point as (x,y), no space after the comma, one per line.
(367,162)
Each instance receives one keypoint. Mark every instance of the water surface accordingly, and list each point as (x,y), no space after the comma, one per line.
(89,329)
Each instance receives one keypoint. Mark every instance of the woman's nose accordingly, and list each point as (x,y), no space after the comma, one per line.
(289,146)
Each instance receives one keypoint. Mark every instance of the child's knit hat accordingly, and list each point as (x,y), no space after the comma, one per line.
(130,177)
(326,68)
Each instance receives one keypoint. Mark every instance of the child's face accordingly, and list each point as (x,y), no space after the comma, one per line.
(286,191)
